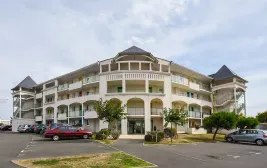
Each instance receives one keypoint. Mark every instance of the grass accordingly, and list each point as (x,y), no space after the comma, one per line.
(106,141)
(190,138)
(107,160)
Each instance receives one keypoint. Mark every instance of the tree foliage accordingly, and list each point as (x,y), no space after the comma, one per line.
(262,117)
(249,122)
(109,111)
(176,116)
(220,120)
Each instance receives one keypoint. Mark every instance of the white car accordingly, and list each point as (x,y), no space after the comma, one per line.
(24,128)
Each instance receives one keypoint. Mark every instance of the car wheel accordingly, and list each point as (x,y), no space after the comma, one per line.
(229,139)
(259,142)
(55,137)
(85,136)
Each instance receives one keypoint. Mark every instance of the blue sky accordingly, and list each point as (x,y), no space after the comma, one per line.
(47,38)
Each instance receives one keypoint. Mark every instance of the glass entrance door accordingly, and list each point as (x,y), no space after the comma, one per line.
(136,126)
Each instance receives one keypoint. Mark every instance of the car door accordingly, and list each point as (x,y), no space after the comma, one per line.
(64,132)
(240,135)
(251,135)
(74,132)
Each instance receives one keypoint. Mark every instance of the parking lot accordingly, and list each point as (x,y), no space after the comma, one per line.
(202,155)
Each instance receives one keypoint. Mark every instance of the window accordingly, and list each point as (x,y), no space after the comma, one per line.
(252,132)
(63,129)
(73,129)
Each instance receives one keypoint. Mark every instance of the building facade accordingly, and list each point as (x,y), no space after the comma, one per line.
(134,77)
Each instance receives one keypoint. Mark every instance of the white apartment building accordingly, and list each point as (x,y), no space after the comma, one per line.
(145,83)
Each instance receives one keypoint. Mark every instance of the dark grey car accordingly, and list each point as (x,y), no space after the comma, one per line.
(248,135)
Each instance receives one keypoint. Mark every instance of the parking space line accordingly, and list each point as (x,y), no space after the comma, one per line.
(183,155)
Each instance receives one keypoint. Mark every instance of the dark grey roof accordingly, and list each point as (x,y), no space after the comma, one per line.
(134,50)
(223,73)
(27,83)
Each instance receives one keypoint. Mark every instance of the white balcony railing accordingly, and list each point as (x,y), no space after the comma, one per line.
(62,116)
(194,86)
(180,80)
(205,115)
(75,85)
(77,113)
(90,114)
(39,95)
(38,118)
(90,79)
(195,114)
(49,116)
(156,111)
(135,111)
(63,87)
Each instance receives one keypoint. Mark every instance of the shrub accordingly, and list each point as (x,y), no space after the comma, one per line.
(100,136)
(197,127)
(148,138)
(115,134)
(105,131)
(93,136)
(168,131)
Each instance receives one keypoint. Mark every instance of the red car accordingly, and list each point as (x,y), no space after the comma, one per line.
(65,132)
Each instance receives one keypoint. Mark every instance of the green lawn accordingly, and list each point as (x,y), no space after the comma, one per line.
(107,160)
(190,138)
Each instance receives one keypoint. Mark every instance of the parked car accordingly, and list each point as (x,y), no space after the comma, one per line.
(39,128)
(32,127)
(63,132)
(25,128)
(6,128)
(19,127)
(248,135)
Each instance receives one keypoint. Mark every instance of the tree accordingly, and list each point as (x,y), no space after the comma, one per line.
(176,116)
(262,117)
(109,111)
(220,120)
(249,122)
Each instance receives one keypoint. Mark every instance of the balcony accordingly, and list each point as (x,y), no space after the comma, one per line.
(62,116)
(90,79)
(49,102)
(90,114)
(77,113)
(205,115)
(204,87)
(62,87)
(39,105)
(194,114)
(180,80)
(38,118)
(39,95)
(76,85)
(156,111)
(194,86)
(49,116)
(135,111)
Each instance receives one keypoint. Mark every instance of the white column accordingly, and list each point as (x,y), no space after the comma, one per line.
(109,67)
(34,103)
(119,66)
(124,125)
(43,102)
(68,114)
(201,121)
(100,66)
(159,67)
(139,66)
(188,115)
(147,117)
(20,102)
(235,100)
(123,84)
(147,84)
(82,114)
(245,105)
(150,66)
(55,115)
(129,66)
(169,69)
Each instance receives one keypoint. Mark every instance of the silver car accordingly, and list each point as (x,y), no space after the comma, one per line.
(248,135)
